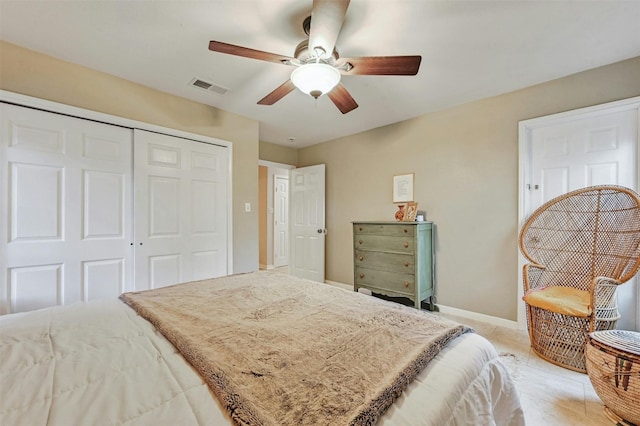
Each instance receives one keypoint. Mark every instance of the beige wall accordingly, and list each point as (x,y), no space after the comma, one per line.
(465,161)
(278,153)
(31,73)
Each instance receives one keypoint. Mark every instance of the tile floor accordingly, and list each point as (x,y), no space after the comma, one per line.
(550,395)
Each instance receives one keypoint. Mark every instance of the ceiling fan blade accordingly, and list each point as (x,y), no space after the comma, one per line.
(342,99)
(232,49)
(381,65)
(327,18)
(279,93)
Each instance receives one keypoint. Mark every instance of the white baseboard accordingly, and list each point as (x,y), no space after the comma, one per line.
(478,317)
(341,285)
(263,266)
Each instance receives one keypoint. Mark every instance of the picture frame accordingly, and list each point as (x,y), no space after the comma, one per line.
(403,188)
(410,212)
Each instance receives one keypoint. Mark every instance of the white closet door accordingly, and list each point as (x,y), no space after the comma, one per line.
(582,152)
(66,209)
(180,210)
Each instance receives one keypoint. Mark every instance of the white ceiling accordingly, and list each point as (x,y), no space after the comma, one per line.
(470,50)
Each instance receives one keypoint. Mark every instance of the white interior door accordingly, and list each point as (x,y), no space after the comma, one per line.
(584,151)
(66,206)
(181,204)
(307,192)
(280,221)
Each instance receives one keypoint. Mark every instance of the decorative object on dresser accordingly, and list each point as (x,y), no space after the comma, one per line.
(400,213)
(395,259)
(411,212)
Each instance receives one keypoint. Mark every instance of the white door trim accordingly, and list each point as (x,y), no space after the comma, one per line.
(525,129)
(37,103)
(280,209)
(275,165)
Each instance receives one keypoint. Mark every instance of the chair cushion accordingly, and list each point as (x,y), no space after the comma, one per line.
(562,300)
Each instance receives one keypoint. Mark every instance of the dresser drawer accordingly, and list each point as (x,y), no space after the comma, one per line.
(384,280)
(384,243)
(392,262)
(382,229)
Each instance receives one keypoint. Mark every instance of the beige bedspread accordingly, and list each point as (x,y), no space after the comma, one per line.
(279,350)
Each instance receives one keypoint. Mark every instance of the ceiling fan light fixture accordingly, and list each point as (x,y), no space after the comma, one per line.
(315,79)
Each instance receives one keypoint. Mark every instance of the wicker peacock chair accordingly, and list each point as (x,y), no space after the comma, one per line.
(581,246)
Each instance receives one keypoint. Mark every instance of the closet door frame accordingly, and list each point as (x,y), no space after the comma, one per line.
(42,104)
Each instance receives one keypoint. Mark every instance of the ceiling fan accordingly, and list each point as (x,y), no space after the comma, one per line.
(318,67)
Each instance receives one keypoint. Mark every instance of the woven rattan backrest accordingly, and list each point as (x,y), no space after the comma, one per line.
(589,232)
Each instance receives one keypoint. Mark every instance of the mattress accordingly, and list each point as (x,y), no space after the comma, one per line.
(101,363)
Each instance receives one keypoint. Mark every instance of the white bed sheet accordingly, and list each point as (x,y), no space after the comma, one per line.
(100,363)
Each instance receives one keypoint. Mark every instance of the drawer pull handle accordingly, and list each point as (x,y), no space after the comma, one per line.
(406,284)
(406,245)
(406,230)
(406,264)
(360,229)
(360,242)
(361,258)
(361,276)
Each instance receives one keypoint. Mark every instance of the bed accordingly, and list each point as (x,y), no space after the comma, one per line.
(257,348)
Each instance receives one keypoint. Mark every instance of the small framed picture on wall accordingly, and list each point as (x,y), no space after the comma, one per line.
(410,212)
(403,188)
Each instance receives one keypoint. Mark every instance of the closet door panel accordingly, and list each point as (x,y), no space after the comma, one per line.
(103,279)
(104,199)
(66,204)
(35,287)
(36,202)
(164,206)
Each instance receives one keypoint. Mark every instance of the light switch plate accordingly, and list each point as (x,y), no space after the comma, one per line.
(247,207)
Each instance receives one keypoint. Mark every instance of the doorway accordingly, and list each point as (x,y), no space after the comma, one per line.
(273,210)
(567,151)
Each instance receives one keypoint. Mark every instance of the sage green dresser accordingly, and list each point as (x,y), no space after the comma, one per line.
(395,259)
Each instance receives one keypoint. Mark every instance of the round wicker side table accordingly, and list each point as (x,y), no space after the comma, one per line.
(613,365)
